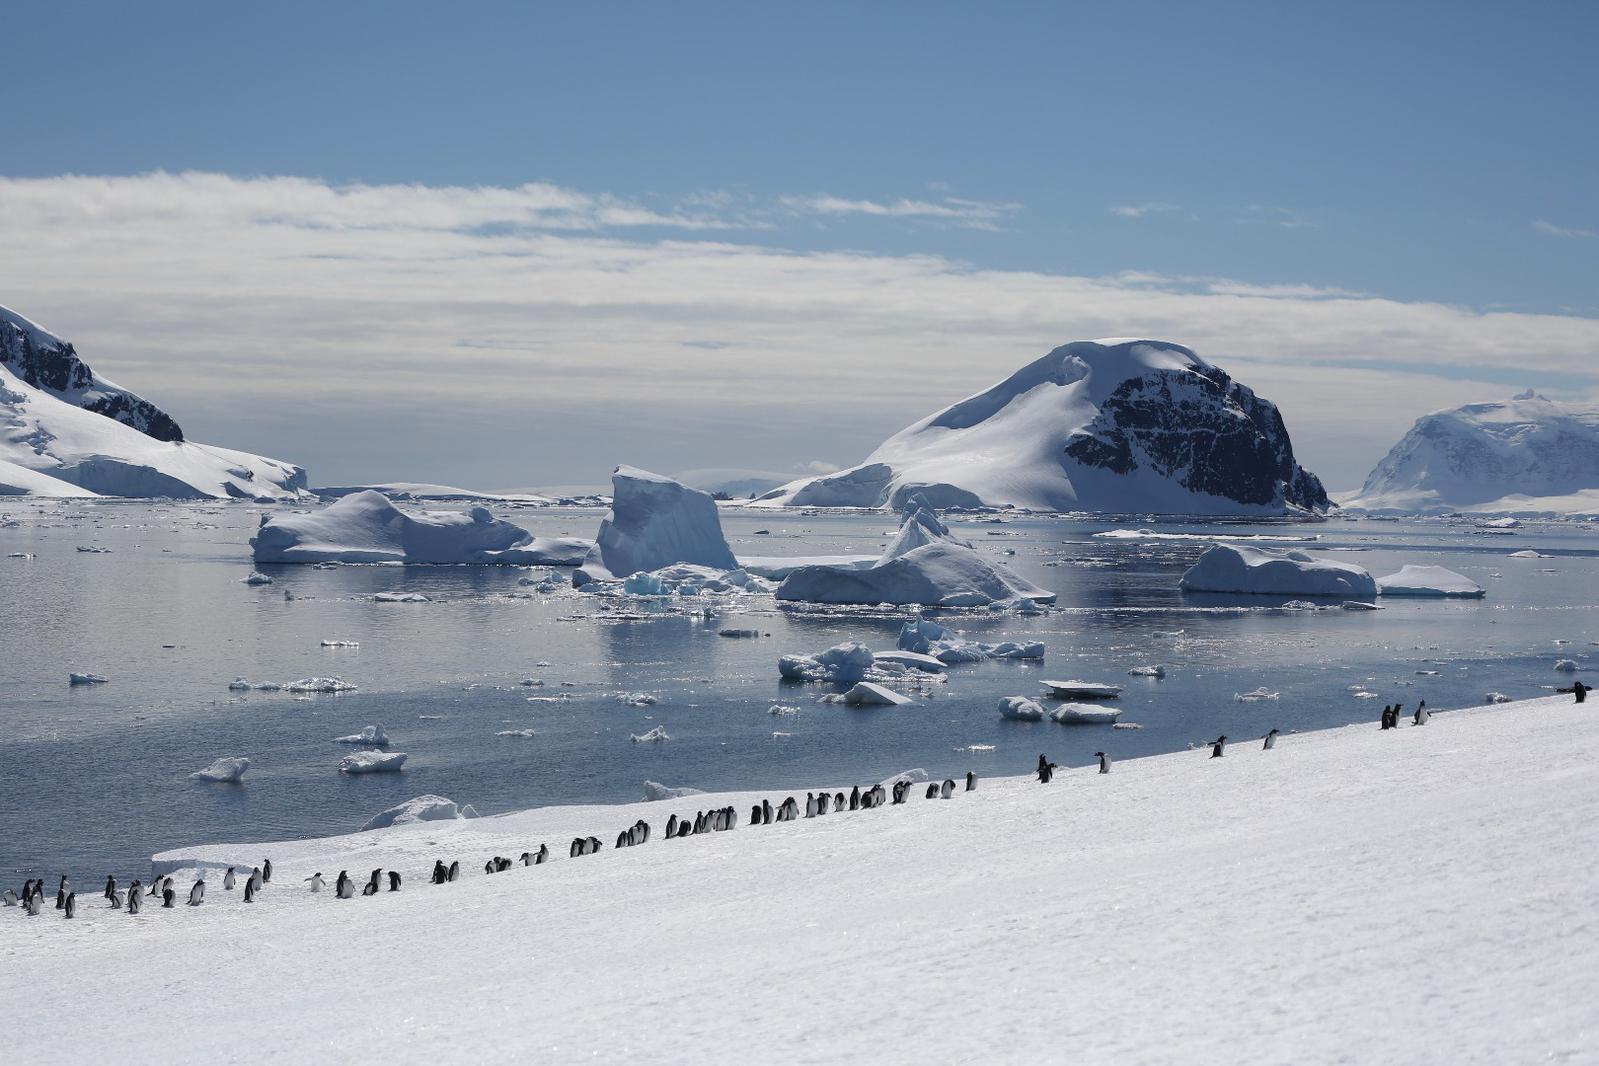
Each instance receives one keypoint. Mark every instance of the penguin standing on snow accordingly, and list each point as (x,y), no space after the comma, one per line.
(110,886)
(266,871)
(35,904)
(135,898)
(249,890)
(810,805)
(373,883)
(316,881)
(440,874)
(671,827)
(949,788)
(526,858)
(1046,770)
(1580,691)
(61,892)
(822,801)
(10,897)
(228,880)
(167,896)
(971,781)
(855,798)
(1104,762)
(72,904)
(256,880)
(1271,740)
(1386,713)
(766,812)
(1218,746)
(1422,714)
(932,790)
(341,887)
(197,893)
(394,880)
(755,817)
(543,855)
(838,801)
(116,901)
(455,869)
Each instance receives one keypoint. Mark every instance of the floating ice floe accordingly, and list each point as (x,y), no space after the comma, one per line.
(86,679)
(1256,695)
(654,790)
(925,564)
(372,734)
(1147,534)
(256,578)
(515,733)
(1238,568)
(319,684)
(867,694)
(842,663)
(637,699)
(90,549)
(1566,666)
(365,527)
(371,762)
(1084,714)
(341,644)
(1156,671)
(947,646)
(1359,605)
(240,684)
(226,769)
(1496,697)
(1416,580)
(782,710)
(911,660)
(1528,554)
(738,633)
(654,736)
(1020,709)
(653,523)
(427,808)
(400,597)
(1082,690)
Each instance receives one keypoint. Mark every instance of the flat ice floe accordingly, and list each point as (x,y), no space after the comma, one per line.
(1082,690)
(371,762)
(1084,714)
(868,694)
(86,679)
(1238,568)
(1416,580)
(225,769)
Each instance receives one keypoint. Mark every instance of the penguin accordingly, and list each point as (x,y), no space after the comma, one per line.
(838,801)
(576,849)
(1580,691)
(526,858)
(1397,708)
(622,841)
(197,893)
(822,801)
(1271,740)
(594,845)
(394,880)
(266,871)
(228,880)
(455,870)
(971,781)
(35,903)
(116,901)
(72,904)
(10,897)
(684,828)
(810,805)
(1217,746)
(256,880)
(249,890)
(61,892)
(543,856)
(948,790)
(1422,714)
(1043,771)
(372,885)
(1387,714)
(1104,762)
(671,827)
(110,886)
(440,874)
(932,791)
(644,837)
(488,867)
(167,896)
(855,798)
(732,821)
(882,796)
(766,812)
(317,882)
(135,896)
(755,814)
(340,886)
(369,889)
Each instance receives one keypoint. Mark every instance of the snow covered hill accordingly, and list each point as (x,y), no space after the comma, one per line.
(1126,426)
(1529,455)
(68,426)
(1413,895)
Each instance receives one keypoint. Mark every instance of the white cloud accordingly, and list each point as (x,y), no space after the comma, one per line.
(515,329)
(974,214)
(1141,210)
(818,466)
(1564,231)
(1266,215)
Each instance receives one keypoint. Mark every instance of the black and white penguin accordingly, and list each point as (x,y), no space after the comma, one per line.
(167,896)
(455,870)
(684,828)
(316,881)
(823,800)
(1217,746)
(343,888)
(266,871)
(543,855)
(1422,714)
(394,880)
(1271,740)
(1046,770)
(621,839)
(810,805)
(755,814)
(488,867)
(10,897)
(35,904)
(949,788)
(594,845)
(971,781)
(671,827)
(838,801)
(256,880)
(526,858)
(855,798)
(374,882)
(369,889)
(228,880)
(135,896)
(1580,691)
(576,848)
(249,890)
(116,901)
(197,893)
(1387,718)
(72,904)
(1104,762)
(932,790)
(61,892)
(110,886)
(766,812)
(1397,708)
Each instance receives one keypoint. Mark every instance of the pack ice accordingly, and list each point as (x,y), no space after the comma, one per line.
(366,527)
(66,431)
(1118,425)
(1272,572)
(924,564)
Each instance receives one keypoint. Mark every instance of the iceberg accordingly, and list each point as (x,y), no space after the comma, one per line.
(654,522)
(1415,580)
(372,735)
(429,808)
(911,660)
(1020,709)
(932,640)
(1156,671)
(226,769)
(318,684)
(86,679)
(1084,714)
(1566,666)
(654,736)
(654,790)
(1082,690)
(867,694)
(925,564)
(256,578)
(366,527)
(843,663)
(1239,568)
(371,762)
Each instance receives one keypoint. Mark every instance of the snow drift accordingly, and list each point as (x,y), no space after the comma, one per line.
(65,423)
(1271,572)
(1116,425)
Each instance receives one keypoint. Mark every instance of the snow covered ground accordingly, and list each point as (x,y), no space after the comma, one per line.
(1419,895)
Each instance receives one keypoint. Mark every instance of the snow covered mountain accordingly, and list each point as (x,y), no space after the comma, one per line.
(65,431)
(1526,455)
(1113,425)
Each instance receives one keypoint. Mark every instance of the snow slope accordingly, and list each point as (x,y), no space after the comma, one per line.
(1529,455)
(87,432)
(1417,895)
(20,481)
(1114,425)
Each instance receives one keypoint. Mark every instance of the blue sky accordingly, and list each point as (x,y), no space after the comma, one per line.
(1437,154)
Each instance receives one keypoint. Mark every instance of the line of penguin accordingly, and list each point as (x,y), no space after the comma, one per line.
(717,820)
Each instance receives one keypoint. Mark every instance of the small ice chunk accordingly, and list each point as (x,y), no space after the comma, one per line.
(1091,690)
(1084,714)
(1496,697)
(1256,695)
(400,597)
(86,679)
(1020,709)
(240,684)
(515,733)
(227,768)
(320,684)
(866,694)
(654,736)
(256,578)
(371,762)
(1148,671)
(1566,666)
(781,709)
(372,735)
(341,644)
(637,699)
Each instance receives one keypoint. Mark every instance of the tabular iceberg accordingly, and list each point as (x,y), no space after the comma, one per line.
(1270,572)
(653,523)
(924,564)
(1415,580)
(70,426)
(366,527)
(1120,425)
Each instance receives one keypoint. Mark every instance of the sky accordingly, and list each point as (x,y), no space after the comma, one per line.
(512,244)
